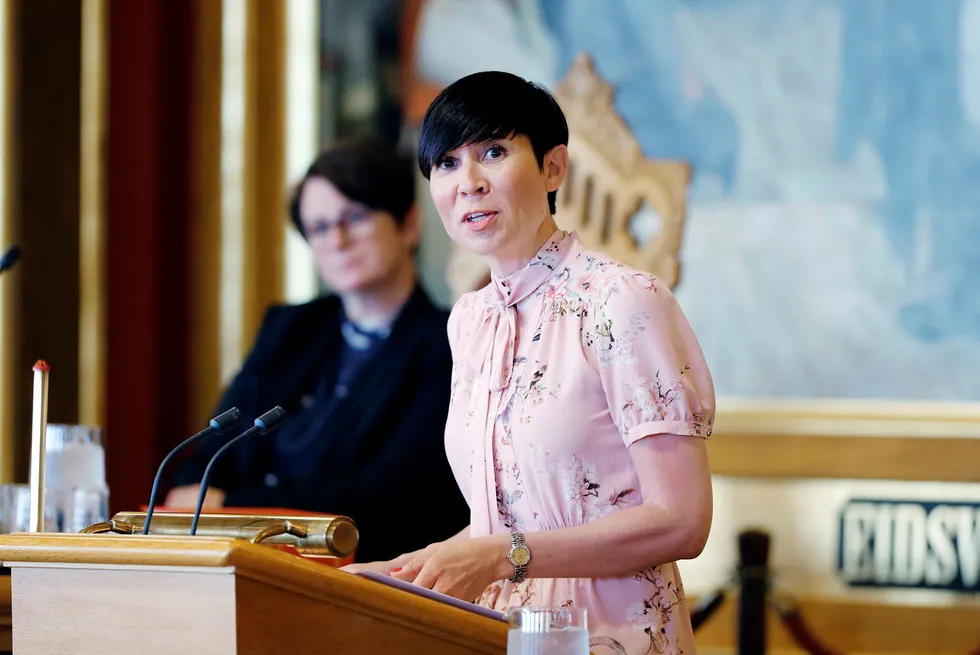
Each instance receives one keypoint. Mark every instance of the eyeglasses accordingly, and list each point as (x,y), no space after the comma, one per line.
(356,222)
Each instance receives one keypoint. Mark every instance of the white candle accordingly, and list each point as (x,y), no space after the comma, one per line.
(39,428)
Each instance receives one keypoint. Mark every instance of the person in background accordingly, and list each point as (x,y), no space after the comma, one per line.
(363,373)
(581,401)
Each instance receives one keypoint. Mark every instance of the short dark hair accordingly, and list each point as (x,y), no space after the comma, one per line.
(366,170)
(487,106)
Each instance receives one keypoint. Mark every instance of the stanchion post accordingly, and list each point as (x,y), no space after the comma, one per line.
(753,575)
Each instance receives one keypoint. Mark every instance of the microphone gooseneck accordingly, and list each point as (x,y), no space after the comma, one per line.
(263,425)
(218,425)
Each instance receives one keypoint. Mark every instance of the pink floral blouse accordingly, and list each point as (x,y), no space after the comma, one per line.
(558,368)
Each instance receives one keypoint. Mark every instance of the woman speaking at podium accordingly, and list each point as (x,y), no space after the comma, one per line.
(580,400)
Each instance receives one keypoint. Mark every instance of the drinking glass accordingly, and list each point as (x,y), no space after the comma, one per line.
(553,631)
(86,506)
(75,474)
(75,457)
(15,509)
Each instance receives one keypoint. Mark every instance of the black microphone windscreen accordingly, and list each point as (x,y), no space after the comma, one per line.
(270,420)
(226,420)
(9,258)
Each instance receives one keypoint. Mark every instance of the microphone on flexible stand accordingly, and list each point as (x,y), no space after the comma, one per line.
(263,425)
(218,425)
(10,257)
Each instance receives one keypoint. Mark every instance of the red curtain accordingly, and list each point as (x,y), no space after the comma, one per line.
(148,212)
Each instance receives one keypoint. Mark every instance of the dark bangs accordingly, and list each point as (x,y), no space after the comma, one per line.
(488,106)
(365,170)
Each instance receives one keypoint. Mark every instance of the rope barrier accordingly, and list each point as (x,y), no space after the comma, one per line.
(754,580)
(789,613)
(707,606)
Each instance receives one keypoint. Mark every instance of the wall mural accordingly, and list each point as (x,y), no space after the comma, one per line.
(833,238)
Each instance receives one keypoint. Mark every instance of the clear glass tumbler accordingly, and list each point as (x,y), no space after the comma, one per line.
(15,509)
(75,475)
(553,631)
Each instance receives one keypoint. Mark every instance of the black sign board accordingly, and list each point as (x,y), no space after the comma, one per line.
(910,543)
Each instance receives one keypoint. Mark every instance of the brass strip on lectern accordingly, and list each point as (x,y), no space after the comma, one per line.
(325,534)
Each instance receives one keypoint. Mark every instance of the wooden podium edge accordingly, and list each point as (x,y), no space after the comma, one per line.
(300,576)
(265,565)
(115,549)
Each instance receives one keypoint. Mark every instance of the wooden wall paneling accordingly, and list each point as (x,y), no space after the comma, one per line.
(253,182)
(205,362)
(46,156)
(8,234)
(265,161)
(92,251)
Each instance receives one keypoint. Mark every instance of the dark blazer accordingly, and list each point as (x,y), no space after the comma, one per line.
(380,458)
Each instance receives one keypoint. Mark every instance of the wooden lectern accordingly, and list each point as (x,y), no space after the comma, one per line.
(112,593)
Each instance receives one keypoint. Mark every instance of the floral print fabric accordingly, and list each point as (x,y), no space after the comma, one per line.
(558,369)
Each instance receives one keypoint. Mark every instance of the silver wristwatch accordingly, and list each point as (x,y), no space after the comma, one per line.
(519,556)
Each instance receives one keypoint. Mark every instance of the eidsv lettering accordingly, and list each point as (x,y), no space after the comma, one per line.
(902,544)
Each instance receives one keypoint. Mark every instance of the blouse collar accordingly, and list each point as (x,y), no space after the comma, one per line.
(491,350)
(510,290)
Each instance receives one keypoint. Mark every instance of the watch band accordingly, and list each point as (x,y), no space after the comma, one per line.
(519,556)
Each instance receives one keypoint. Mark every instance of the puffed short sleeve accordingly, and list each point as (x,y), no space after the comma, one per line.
(652,370)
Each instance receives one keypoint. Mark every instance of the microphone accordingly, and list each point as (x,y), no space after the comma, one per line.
(10,257)
(263,425)
(218,425)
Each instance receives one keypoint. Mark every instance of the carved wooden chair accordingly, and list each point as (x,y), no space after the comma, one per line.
(619,202)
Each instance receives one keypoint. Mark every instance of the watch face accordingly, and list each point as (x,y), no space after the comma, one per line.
(520,555)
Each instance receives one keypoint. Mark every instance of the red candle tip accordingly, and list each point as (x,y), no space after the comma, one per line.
(41,365)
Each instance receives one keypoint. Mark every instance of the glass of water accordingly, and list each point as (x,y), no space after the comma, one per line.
(86,507)
(76,475)
(15,509)
(553,631)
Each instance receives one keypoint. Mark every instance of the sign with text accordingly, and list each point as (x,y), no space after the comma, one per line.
(909,543)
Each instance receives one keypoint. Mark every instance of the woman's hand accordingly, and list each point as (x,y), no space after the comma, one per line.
(461,568)
(376,567)
(385,567)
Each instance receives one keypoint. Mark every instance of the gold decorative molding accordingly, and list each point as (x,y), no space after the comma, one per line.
(847,439)
(253,178)
(208,248)
(846,457)
(231,290)
(302,136)
(240,185)
(264,213)
(8,234)
(587,101)
(610,180)
(92,250)
(849,417)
